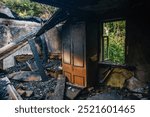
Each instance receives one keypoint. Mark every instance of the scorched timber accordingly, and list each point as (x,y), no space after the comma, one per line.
(11,47)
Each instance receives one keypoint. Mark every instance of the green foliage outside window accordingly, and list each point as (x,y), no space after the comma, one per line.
(115,32)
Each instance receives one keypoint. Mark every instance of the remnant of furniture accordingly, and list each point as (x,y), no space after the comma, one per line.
(80,43)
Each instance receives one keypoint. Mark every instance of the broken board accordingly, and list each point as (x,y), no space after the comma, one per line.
(13,95)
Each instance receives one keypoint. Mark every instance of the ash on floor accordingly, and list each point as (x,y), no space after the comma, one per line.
(112,93)
(34,90)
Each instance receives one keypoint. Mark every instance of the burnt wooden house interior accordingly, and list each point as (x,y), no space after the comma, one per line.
(80,41)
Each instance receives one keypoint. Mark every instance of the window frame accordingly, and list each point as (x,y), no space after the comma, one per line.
(101,47)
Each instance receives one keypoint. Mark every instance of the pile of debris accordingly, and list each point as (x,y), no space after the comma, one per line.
(8,91)
(27,81)
(28,71)
(53,67)
(119,84)
(34,90)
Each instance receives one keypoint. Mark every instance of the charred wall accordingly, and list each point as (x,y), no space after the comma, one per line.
(11,30)
(53,40)
(92,49)
(138,44)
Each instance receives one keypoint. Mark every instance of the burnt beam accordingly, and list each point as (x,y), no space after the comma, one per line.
(37,59)
(59,16)
(7,50)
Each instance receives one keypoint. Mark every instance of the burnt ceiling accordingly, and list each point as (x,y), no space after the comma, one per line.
(96,6)
(88,8)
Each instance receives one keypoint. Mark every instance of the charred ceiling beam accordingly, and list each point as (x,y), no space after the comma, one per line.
(59,16)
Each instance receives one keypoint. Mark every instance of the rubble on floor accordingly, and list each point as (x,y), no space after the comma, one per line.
(27,81)
(9,92)
(25,76)
(118,76)
(104,92)
(118,83)
(134,84)
(72,92)
(111,95)
(35,90)
(53,67)
(59,89)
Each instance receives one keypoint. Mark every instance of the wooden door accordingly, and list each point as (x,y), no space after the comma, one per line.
(74,53)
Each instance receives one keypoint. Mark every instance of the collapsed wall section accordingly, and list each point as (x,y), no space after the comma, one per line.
(11,30)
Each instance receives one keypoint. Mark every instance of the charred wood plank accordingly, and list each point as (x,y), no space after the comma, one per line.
(14,49)
(14,46)
(37,60)
(58,16)
(104,64)
(11,90)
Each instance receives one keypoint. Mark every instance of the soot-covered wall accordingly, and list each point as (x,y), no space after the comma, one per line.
(138,44)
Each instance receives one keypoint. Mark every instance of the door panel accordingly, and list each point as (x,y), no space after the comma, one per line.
(79,80)
(66,47)
(78,45)
(74,52)
(67,53)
